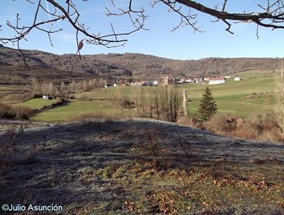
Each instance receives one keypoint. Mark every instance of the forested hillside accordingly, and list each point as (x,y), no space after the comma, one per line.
(128,65)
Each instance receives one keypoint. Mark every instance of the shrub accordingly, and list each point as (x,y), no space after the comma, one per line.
(259,124)
(6,112)
(7,146)
(243,134)
(17,112)
(188,120)
(128,104)
(35,96)
(262,127)
(22,112)
(221,123)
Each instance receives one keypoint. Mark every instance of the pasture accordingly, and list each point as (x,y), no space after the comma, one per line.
(77,110)
(37,103)
(254,94)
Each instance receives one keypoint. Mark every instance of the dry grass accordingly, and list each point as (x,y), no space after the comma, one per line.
(144,167)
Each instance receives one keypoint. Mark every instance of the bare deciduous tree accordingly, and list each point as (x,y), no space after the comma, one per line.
(279,95)
(267,14)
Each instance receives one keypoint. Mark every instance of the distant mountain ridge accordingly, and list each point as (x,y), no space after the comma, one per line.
(128,65)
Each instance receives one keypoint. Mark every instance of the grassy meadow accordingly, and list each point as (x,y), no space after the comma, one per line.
(37,103)
(236,97)
(76,110)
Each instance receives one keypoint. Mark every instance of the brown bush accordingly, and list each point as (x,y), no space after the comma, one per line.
(187,120)
(6,112)
(22,112)
(221,124)
(259,124)
(7,147)
(18,97)
(239,122)
(262,127)
(243,134)
(17,112)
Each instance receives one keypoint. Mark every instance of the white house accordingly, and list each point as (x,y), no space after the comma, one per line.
(217,80)
(206,78)
(237,79)
(47,97)
(187,80)
(197,80)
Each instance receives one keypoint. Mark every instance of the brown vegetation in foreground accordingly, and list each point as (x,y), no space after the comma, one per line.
(259,127)
(142,167)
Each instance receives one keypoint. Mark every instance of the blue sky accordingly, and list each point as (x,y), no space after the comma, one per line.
(159,40)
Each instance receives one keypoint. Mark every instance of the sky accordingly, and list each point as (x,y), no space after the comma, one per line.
(159,40)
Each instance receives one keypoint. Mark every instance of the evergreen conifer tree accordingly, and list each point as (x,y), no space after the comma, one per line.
(207,106)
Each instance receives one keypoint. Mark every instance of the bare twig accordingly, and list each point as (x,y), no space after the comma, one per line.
(271,15)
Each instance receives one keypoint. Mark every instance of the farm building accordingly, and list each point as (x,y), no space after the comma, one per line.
(219,80)
(187,80)
(237,79)
(206,78)
(197,80)
(47,97)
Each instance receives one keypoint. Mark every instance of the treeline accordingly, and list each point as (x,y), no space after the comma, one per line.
(53,89)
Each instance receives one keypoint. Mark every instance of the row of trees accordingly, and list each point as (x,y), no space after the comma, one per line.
(162,103)
(50,88)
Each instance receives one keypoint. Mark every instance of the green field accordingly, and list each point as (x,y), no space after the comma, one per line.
(252,95)
(76,110)
(37,103)
(235,97)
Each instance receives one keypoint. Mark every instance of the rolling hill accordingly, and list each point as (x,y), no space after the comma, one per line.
(43,65)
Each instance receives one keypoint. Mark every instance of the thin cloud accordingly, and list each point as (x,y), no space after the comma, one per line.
(49,16)
(47,8)
(67,37)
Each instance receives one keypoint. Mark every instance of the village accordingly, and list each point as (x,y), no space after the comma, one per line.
(183,80)
(51,91)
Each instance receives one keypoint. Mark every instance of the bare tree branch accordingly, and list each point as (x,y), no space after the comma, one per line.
(271,16)
(273,19)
